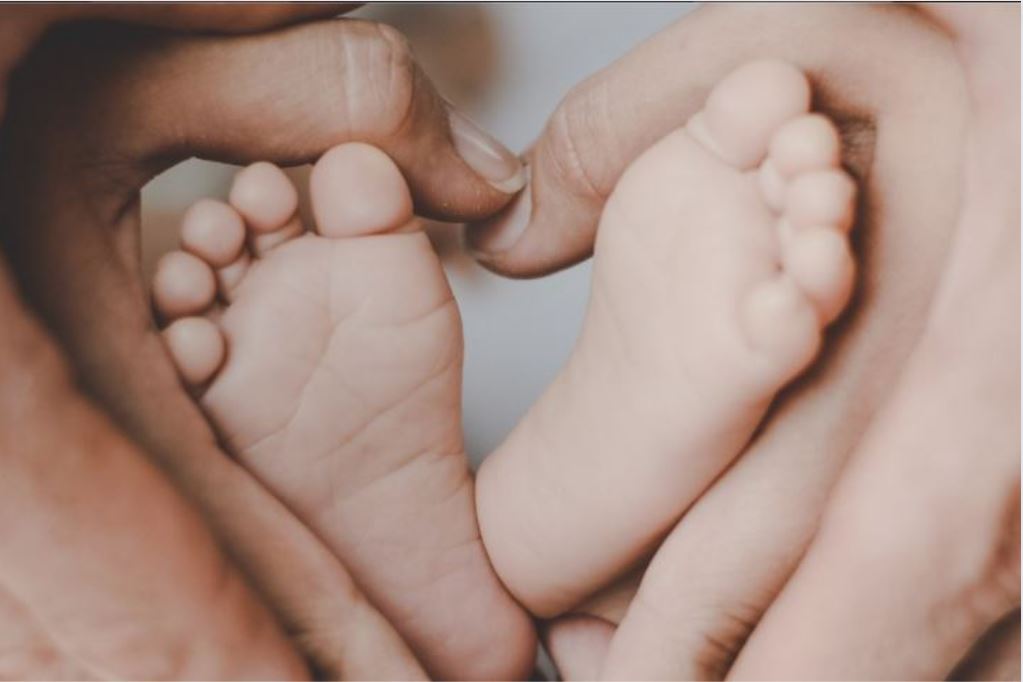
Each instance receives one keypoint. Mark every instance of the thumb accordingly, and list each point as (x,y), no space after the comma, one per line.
(600,127)
(608,120)
(151,99)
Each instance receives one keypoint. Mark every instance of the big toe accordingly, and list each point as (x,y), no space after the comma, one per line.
(746,108)
(357,190)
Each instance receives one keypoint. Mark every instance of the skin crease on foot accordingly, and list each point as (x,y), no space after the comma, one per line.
(690,618)
(721,254)
(73,162)
(330,365)
(106,569)
(694,616)
(948,495)
(119,360)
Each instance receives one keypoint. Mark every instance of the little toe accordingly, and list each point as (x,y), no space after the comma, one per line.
(820,262)
(356,190)
(781,323)
(745,109)
(824,197)
(182,285)
(197,347)
(268,201)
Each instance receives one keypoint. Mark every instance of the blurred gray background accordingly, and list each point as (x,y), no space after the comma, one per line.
(507,66)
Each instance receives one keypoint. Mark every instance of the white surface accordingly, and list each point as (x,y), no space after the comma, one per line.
(517,333)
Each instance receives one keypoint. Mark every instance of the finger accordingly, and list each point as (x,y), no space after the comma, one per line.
(317,85)
(608,120)
(236,18)
(752,527)
(919,552)
(28,24)
(323,612)
(100,550)
(973,27)
(71,202)
(577,645)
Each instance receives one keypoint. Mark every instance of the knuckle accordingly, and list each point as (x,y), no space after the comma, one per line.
(721,639)
(580,142)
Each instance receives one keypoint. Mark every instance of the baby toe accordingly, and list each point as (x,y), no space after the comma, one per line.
(356,189)
(745,109)
(803,144)
(782,325)
(182,285)
(820,262)
(268,201)
(213,231)
(264,195)
(197,347)
(819,198)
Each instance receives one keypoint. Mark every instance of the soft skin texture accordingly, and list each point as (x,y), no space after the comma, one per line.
(752,527)
(720,255)
(91,117)
(333,373)
(903,618)
(86,183)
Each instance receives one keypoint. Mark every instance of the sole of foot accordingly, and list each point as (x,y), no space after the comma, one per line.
(329,363)
(721,256)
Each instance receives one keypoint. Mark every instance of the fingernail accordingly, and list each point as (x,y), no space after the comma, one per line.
(504,230)
(485,155)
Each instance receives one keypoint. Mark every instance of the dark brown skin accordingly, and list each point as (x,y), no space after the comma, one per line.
(138,517)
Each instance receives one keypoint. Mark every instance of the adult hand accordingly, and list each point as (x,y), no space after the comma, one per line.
(106,570)
(918,555)
(734,551)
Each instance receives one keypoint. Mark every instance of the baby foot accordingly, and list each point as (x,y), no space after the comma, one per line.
(330,365)
(721,255)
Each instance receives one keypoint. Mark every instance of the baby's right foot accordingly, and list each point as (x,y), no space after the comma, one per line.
(720,256)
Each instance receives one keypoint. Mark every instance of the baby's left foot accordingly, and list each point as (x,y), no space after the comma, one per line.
(331,366)
(720,257)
